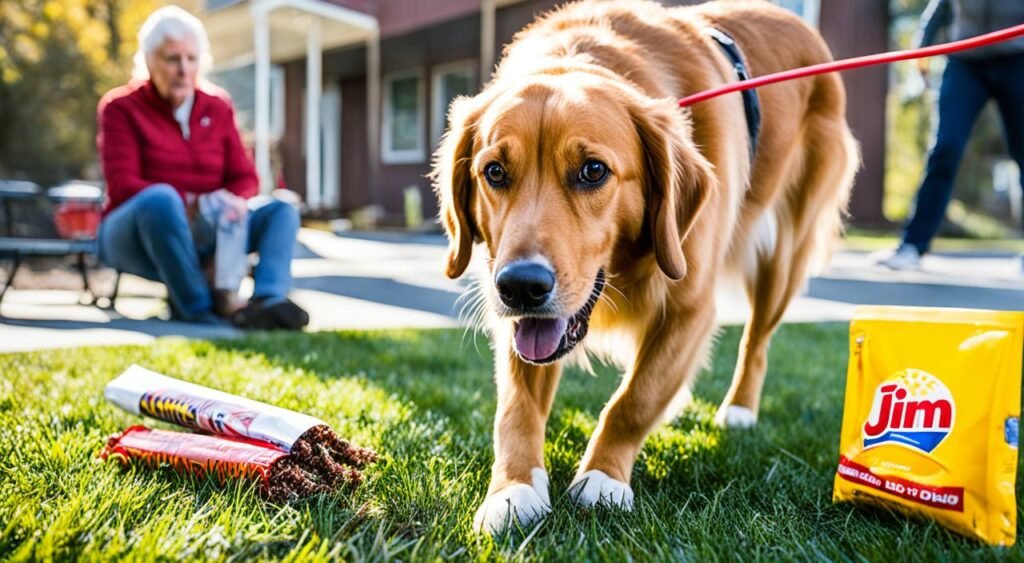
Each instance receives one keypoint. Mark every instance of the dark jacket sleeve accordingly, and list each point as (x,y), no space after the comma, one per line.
(937,15)
(239,173)
(120,154)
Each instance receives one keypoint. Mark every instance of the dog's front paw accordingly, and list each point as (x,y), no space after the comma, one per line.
(596,487)
(735,416)
(520,503)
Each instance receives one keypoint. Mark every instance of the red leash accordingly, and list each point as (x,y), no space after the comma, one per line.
(857,62)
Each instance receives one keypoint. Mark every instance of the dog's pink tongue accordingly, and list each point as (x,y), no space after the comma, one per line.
(537,339)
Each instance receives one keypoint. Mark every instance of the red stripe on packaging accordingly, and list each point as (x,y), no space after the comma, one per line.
(948,498)
(195,453)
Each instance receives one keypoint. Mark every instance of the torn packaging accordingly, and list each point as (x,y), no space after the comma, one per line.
(295,454)
(282,477)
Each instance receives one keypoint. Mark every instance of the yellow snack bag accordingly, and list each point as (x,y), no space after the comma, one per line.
(931,416)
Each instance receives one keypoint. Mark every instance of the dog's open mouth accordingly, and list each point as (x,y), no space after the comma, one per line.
(544,340)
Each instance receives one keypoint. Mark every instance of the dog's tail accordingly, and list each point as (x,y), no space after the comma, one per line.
(831,163)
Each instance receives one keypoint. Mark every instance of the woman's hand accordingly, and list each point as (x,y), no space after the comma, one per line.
(236,207)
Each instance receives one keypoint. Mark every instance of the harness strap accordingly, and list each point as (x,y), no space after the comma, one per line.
(751,103)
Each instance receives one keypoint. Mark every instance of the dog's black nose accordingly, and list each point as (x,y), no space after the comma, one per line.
(525,285)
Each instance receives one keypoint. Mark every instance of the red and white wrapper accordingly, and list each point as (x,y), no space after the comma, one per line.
(201,455)
(141,391)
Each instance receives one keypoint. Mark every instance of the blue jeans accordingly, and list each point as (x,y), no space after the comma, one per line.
(967,85)
(149,236)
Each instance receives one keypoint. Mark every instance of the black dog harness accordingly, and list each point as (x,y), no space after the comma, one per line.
(751,104)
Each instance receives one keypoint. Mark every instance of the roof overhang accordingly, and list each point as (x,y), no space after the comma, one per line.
(231,29)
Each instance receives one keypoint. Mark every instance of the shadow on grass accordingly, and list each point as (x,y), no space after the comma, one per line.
(425,400)
(764,492)
(448,374)
(207,497)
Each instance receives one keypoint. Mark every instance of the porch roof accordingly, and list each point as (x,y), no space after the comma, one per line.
(231,29)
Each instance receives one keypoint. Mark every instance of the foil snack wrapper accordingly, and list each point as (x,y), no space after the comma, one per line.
(141,391)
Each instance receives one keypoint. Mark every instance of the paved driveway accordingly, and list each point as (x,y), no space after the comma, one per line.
(394,280)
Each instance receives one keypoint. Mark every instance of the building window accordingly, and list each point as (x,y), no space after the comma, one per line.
(404,118)
(240,83)
(809,10)
(448,82)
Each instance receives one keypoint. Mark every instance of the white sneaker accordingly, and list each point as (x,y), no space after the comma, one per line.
(906,257)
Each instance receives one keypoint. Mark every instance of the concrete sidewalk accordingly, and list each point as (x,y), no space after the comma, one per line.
(367,281)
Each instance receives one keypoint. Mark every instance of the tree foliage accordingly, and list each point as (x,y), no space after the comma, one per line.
(57,58)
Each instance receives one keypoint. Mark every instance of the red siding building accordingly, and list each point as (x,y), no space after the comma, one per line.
(384,71)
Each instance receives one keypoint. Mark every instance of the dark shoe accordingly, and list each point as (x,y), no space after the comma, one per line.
(270,314)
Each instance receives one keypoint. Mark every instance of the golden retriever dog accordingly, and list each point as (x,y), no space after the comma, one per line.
(608,215)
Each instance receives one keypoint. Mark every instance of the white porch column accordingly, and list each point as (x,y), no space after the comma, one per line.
(314,90)
(373,122)
(261,44)
(487,9)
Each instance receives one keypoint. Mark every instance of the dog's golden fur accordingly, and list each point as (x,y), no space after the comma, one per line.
(683,207)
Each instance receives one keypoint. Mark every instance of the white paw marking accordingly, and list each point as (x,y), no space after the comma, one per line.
(735,416)
(596,487)
(520,503)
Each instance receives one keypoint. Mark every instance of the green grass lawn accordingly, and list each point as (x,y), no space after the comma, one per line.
(869,241)
(425,400)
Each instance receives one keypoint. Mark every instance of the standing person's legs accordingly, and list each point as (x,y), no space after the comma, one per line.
(149,236)
(1007,81)
(962,96)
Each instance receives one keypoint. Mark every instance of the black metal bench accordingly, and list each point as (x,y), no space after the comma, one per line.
(20,248)
(17,248)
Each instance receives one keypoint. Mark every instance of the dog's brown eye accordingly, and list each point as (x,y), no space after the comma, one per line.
(593,173)
(495,174)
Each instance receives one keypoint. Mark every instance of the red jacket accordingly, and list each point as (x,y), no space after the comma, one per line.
(140,144)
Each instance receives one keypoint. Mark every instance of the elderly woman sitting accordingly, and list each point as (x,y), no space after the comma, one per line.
(166,145)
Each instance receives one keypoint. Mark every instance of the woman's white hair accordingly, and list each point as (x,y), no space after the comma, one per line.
(170,22)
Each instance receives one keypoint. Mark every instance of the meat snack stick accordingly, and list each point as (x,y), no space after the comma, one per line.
(930,425)
(281,476)
(310,440)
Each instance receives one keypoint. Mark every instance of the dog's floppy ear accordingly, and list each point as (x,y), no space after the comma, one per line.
(453,183)
(678,180)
